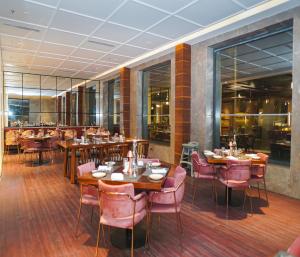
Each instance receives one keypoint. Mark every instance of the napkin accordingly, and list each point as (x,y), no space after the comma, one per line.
(140,163)
(103,168)
(117,176)
(159,171)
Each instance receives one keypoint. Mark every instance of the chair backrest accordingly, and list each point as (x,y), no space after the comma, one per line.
(142,149)
(117,152)
(115,200)
(148,160)
(85,168)
(179,177)
(28,143)
(239,170)
(200,165)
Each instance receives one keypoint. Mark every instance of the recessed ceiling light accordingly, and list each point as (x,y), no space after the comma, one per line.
(100,43)
(21,27)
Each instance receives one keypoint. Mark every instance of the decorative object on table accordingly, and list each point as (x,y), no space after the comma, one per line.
(130,157)
(234,146)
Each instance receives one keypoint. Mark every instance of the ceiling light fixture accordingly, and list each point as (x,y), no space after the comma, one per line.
(186,39)
(100,43)
(21,27)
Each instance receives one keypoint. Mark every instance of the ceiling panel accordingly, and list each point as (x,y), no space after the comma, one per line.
(96,68)
(85,53)
(19,43)
(53,3)
(174,27)
(168,5)
(56,49)
(251,3)
(148,41)
(75,23)
(76,66)
(129,51)
(95,8)
(26,11)
(137,16)
(60,37)
(115,32)
(47,61)
(205,12)
(252,57)
(268,61)
(117,59)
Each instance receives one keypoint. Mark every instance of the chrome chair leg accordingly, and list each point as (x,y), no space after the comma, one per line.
(194,189)
(227,202)
(266,192)
(98,238)
(258,190)
(132,241)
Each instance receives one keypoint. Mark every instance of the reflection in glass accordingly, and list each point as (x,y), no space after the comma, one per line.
(156,91)
(256,94)
(31,81)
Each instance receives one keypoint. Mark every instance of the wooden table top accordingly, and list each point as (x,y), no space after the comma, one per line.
(69,144)
(224,160)
(140,182)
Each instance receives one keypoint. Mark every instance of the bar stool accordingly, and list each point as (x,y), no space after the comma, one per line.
(186,154)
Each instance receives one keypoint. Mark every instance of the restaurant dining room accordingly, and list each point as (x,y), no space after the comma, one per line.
(150,128)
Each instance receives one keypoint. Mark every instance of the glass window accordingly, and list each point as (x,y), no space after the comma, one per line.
(156,96)
(116,104)
(32,100)
(254,86)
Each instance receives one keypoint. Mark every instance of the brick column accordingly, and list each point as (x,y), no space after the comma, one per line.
(125,101)
(59,102)
(80,105)
(68,108)
(182,97)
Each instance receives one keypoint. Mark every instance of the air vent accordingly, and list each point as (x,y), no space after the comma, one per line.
(22,27)
(100,43)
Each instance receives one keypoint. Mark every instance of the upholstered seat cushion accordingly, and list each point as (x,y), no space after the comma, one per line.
(294,249)
(90,200)
(164,208)
(234,183)
(204,176)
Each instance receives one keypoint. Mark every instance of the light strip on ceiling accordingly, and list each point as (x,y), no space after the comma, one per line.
(219,25)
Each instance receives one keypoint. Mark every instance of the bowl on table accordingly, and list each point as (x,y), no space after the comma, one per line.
(98,174)
(155,176)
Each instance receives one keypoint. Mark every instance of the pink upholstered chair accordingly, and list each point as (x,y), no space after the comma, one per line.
(29,146)
(121,208)
(169,199)
(88,193)
(294,248)
(50,146)
(204,171)
(236,175)
(258,174)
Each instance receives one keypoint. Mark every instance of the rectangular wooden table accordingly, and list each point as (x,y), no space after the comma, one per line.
(141,181)
(70,146)
(224,160)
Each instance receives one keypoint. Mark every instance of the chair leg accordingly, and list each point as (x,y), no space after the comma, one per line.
(245,196)
(92,214)
(266,192)
(132,241)
(226,202)
(98,238)
(78,217)
(194,189)
(216,193)
(180,222)
(250,199)
(258,190)
(158,222)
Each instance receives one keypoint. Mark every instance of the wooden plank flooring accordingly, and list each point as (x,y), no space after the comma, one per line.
(38,208)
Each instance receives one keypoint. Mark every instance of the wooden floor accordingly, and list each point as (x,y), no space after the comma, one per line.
(38,208)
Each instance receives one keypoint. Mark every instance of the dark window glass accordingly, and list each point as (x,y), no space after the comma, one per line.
(156,97)
(254,81)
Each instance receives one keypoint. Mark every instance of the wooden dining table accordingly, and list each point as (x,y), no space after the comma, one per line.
(140,182)
(69,146)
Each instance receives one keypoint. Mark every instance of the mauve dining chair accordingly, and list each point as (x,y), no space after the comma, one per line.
(169,199)
(88,193)
(121,208)
(236,175)
(204,171)
(258,174)
(294,248)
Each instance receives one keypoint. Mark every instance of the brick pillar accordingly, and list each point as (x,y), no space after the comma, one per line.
(80,105)
(59,102)
(182,97)
(68,108)
(125,101)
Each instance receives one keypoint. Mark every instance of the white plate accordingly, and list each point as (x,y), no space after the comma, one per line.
(217,156)
(155,164)
(156,176)
(99,174)
(255,157)
(209,154)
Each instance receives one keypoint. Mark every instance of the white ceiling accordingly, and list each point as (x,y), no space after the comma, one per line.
(82,38)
